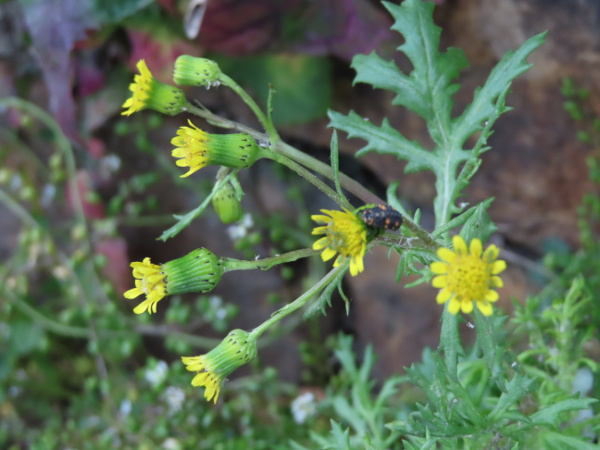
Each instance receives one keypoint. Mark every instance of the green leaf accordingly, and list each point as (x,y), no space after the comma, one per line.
(341,436)
(490,339)
(515,390)
(109,11)
(558,441)
(184,221)
(483,106)
(461,219)
(383,140)
(479,225)
(550,415)
(335,166)
(432,70)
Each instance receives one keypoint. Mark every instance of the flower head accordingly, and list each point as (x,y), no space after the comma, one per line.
(148,93)
(238,348)
(193,71)
(198,271)
(345,234)
(468,275)
(150,280)
(198,149)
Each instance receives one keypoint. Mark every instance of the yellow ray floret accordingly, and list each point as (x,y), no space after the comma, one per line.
(468,276)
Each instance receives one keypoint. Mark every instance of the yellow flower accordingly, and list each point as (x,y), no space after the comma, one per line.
(198,149)
(345,234)
(468,275)
(150,280)
(148,93)
(198,271)
(238,348)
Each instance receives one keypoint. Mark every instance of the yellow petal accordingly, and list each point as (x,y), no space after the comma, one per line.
(491,253)
(475,247)
(440,281)
(142,307)
(467,306)
(491,296)
(498,267)
(485,308)
(319,218)
(319,230)
(454,306)
(327,254)
(133,293)
(447,255)
(439,268)
(321,243)
(496,282)
(459,245)
(443,296)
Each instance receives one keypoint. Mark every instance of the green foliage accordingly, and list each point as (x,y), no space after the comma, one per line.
(428,91)
(79,373)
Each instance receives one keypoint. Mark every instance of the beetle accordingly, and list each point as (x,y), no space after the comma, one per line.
(381,216)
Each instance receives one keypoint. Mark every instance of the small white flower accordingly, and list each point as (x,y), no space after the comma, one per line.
(303,407)
(157,374)
(171,444)
(240,230)
(125,407)
(174,397)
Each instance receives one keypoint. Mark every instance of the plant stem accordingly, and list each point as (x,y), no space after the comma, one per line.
(262,118)
(307,175)
(300,301)
(231,264)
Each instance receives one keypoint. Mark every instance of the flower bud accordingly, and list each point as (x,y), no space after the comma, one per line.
(193,71)
(227,205)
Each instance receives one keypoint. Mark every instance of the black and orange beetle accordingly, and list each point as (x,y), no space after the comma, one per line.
(381,216)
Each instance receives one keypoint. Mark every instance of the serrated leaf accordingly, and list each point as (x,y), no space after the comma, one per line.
(483,106)
(432,70)
(490,335)
(558,441)
(340,435)
(185,220)
(515,390)
(479,225)
(461,219)
(550,415)
(383,140)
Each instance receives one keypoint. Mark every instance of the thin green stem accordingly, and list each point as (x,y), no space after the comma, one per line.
(265,121)
(300,301)
(231,264)
(307,175)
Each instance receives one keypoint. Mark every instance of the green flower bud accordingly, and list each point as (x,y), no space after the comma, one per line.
(227,205)
(193,71)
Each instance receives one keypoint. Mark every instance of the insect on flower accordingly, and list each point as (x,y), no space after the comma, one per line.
(381,216)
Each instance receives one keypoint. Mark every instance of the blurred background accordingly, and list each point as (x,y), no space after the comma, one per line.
(78,369)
